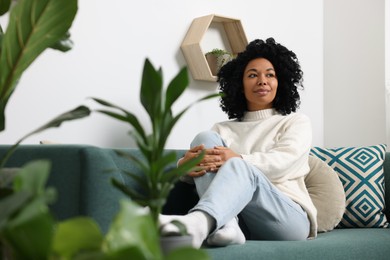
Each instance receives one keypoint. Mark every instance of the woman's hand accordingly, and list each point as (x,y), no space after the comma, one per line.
(212,160)
(224,153)
(207,163)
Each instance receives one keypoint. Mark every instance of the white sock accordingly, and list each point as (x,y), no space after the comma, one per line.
(198,224)
(227,235)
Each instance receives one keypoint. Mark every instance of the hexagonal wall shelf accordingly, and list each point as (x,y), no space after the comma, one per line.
(193,52)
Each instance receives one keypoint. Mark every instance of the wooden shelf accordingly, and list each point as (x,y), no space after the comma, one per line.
(193,52)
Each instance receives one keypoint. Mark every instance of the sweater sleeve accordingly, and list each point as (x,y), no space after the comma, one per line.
(288,157)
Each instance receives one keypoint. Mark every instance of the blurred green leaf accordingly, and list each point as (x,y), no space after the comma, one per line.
(77,113)
(4,6)
(88,255)
(131,252)
(31,231)
(12,203)
(77,235)
(1,36)
(64,44)
(37,206)
(176,88)
(33,177)
(188,253)
(7,176)
(151,91)
(29,182)
(133,227)
(33,26)
(183,168)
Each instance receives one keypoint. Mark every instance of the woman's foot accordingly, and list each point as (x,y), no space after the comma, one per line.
(198,225)
(227,235)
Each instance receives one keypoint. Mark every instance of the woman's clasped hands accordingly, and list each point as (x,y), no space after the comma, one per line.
(213,159)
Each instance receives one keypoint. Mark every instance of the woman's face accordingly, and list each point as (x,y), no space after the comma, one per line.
(260,84)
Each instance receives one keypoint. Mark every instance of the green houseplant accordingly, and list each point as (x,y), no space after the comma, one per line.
(33,26)
(157,176)
(28,215)
(157,169)
(29,231)
(27,228)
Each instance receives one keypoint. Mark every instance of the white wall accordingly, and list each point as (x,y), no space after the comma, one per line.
(354,76)
(112,39)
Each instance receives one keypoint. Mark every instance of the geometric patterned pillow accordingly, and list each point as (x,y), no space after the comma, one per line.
(360,169)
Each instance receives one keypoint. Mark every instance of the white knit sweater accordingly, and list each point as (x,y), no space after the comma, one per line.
(279,146)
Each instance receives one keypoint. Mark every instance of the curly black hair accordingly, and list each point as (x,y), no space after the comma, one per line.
(288,73)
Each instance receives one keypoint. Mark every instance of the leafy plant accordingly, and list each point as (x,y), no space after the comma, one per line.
(29,231)
(25,213)
(133,232)
(218,52)
(33,26)
(157,176)
(27,228)
(216,58)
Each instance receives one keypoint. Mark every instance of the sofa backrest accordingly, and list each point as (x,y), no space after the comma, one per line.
(189,194)
(82,176)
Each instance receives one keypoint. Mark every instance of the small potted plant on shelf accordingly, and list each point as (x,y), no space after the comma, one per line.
(216,58)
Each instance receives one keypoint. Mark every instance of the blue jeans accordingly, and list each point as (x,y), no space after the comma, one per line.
(240,188)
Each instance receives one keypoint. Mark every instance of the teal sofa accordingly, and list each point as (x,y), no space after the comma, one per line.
(81,174)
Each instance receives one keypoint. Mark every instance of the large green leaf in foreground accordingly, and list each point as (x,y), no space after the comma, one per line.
(34,25)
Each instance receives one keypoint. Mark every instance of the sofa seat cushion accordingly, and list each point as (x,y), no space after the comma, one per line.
(340,244)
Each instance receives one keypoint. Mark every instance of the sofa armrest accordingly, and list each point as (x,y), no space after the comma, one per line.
(64,176)
(79,174)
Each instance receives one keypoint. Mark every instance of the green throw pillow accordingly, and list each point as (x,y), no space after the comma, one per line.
(360,169)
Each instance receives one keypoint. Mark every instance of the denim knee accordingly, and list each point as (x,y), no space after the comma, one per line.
(238,166)
(208,138)
(236,162)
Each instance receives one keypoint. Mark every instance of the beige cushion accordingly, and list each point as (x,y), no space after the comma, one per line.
(326,192)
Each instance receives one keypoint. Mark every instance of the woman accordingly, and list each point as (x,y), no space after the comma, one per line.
(254,164)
